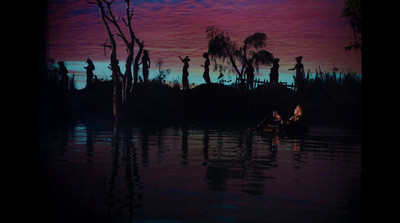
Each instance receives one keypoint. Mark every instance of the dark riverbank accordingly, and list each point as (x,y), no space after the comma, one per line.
(325,101)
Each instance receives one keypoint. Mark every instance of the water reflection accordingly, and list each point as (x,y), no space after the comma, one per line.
(185,136)
(120,198)
(135,172)
(206,141)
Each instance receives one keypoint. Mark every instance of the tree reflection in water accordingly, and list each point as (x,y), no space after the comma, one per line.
(153,172)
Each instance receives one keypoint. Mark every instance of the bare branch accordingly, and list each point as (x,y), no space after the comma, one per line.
(90,2)
(108,3)
(120,36)
(140,44)
(123,19)
(114,21)
(108,18)
(128,15)
(131,15)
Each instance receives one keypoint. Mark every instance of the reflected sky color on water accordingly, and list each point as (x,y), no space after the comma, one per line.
(203,174)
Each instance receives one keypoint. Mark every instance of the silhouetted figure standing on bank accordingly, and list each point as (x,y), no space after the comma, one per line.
(206,66)
(185,72)
(274,75)
(299,70)
(63,72)
(250,74)
(89,73)
(146,65)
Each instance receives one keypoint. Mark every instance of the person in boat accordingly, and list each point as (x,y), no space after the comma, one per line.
(277,123)
(268,122)
(296,122)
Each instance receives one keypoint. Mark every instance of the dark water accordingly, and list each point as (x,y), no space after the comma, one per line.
(202,174)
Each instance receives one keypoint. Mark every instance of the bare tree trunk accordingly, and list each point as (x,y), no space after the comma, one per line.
(137,58)
(122,82)
(232,61)
(113,62)
(117,85)
(129,47)
(128,71)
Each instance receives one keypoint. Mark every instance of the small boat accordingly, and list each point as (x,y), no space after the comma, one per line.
(284,129)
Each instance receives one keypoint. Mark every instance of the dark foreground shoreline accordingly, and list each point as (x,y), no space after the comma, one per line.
(323,103)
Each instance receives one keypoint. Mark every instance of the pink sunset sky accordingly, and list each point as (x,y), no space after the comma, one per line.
(310,28)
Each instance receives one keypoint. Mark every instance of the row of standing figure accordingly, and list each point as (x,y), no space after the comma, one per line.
(90,68)
(274,74)
(63,72)
(185,72)
(58,75)
(146,66)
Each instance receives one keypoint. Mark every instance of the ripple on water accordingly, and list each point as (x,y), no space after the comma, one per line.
(160,173)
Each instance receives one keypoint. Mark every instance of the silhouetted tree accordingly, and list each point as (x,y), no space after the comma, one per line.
(122,82)
(352,12)
(220,46)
